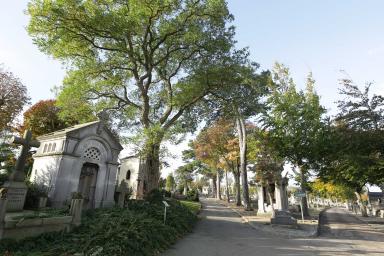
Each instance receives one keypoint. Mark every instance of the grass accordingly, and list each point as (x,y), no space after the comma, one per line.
(45,213)
(194,207)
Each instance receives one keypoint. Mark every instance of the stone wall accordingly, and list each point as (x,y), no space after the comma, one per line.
(27,227)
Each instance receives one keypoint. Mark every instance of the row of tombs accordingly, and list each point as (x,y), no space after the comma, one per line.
(82,160)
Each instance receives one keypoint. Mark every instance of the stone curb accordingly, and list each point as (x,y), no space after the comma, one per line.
(314,233)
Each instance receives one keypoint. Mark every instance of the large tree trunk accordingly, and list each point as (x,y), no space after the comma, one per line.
(363,207)
(243,160)
(150,167)
(218,188)
(214,187)
(304,203)
(270,198)
(185,192)
(227,186)
(236,174)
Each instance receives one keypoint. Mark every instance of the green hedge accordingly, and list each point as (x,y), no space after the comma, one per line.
(136,230)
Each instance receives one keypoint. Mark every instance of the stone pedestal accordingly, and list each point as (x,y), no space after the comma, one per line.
(260,199)
(278,196)
(283,218)
(121,200)
(16,193)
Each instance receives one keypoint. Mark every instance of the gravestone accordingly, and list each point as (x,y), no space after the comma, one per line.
(283,218)
(123,190)
(16,187)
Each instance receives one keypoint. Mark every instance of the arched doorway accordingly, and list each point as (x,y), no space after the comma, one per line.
(87,184)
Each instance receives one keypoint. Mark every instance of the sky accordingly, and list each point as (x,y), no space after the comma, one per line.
(322,37)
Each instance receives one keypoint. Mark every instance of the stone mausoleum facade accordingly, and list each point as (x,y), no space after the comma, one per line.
(82,159)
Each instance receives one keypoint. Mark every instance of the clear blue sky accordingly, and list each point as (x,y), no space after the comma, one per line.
(319,36)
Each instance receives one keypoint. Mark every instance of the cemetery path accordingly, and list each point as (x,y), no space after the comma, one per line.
(338,222)
(221,232)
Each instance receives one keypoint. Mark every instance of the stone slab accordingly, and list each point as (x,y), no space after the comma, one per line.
(29,222)
(57,220)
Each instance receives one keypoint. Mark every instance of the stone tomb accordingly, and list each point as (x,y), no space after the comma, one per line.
(283,218)
(82,159)
(130,173)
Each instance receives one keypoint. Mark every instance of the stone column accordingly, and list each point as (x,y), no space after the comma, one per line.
(260,199)
(278,195)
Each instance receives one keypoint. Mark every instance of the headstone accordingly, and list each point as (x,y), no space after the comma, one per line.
(17,189)
(123,189)
(283,218)
(76,210)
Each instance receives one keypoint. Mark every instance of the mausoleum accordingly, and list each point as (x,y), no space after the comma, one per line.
(129,173)
(82,159)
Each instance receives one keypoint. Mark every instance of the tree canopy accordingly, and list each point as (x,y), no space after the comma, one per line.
(13,97)
(134,58)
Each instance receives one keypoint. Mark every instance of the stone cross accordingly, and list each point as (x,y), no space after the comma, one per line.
(26,143)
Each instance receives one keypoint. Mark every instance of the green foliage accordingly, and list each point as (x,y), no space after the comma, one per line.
(295,119)
(170,183)
(35,191)
(194,207)
(354,154)
(193,195)
(157,195)
(136,230)
(330,190)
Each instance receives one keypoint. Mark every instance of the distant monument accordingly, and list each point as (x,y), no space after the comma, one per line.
(16,187)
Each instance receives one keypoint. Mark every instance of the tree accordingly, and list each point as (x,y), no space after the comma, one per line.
(134,58)
(331,190)
(241,83)
(295,124)
(211,147)
(13,97)
(170,183)
(268,164)
(43,118)
(184,175)
(355,152)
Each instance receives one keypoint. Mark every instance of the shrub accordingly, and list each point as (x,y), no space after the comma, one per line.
(193,195)
(136,230)
(157,195)
(34,192)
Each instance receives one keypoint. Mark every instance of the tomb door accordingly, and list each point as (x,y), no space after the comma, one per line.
(87,184)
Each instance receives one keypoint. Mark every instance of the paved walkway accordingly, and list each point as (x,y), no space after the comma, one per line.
(338,222)
(222,233)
